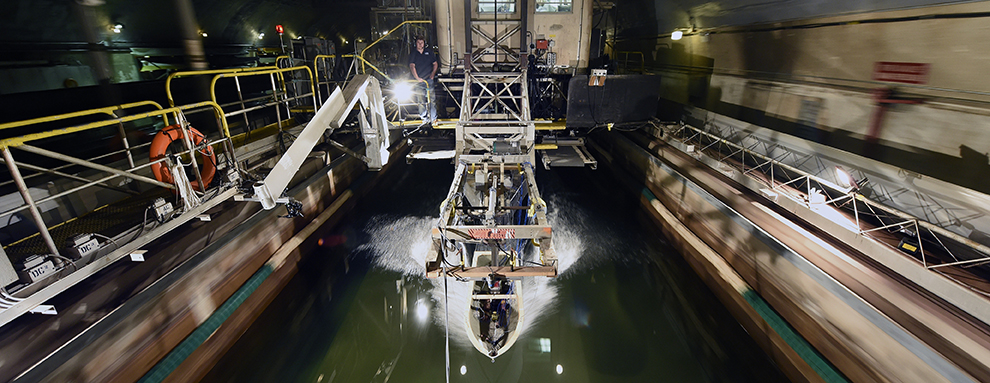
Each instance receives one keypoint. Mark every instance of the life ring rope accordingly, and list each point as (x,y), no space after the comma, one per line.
(171,133)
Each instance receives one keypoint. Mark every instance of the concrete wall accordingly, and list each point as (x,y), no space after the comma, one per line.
(867,334)
(571,32)
(813,77)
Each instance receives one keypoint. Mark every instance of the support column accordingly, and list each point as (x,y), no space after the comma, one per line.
(467,35)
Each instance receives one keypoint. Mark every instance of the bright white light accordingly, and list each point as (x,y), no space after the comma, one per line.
(261,35)
(560,369)
(403,91)
(422,311)
(463,369)
(544,344)
(676,35)
(117,27)
(845,179)
(204,34)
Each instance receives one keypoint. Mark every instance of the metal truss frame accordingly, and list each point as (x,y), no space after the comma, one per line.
(495,44)
(495,119)
(783,169)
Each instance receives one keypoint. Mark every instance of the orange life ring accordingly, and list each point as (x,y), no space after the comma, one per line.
(167,136)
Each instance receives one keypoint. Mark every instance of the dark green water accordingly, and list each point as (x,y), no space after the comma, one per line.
(626,307)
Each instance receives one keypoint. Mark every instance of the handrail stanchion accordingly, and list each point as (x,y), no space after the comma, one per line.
(26,195)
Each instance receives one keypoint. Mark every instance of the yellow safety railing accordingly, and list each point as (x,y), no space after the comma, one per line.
(109,110)
(105,110)
(363,62)
(402,24)
(329,72)
(279,59)
(18,141)
(213,83)
(174,75)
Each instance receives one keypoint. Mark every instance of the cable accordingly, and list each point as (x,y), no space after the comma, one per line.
(66,260)
(115,245)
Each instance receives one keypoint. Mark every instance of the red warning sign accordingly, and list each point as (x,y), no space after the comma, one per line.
(907,73)
(492,233)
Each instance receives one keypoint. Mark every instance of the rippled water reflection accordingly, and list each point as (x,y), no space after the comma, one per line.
(625,308)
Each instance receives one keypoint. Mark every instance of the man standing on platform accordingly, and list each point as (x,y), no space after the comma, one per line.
(423,65)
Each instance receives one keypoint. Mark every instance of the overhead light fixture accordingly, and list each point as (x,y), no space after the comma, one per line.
(116,28)
(261,35)
(676,35)
(204,34)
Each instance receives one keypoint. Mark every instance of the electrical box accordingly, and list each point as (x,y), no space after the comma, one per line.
(163,210)
(909,245)
(82,246)
(36,268)
(7,273)
(542,44)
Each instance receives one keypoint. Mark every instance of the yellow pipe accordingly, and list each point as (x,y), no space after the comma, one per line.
(213,84)
(17,141)
(556,125)
(545,146)
(168,81)
(387,34)
(107,110)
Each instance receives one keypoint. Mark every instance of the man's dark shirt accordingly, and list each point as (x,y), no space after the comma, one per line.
(424,62)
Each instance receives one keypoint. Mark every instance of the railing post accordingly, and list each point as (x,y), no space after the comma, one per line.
(127,147)
(921,246)
(278,113)
(26,195)
(859,229)
(240,96)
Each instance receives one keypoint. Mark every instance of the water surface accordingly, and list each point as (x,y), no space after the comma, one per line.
(625,308)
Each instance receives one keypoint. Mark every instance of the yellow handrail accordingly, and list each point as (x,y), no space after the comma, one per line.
(213,84)
(18,141)
(363,61)
(168,81)
(316,66)
(280,58)
(386,35)
(316,59)
(107,110)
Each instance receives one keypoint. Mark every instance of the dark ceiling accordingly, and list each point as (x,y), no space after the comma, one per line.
(238,22)
(155,23)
